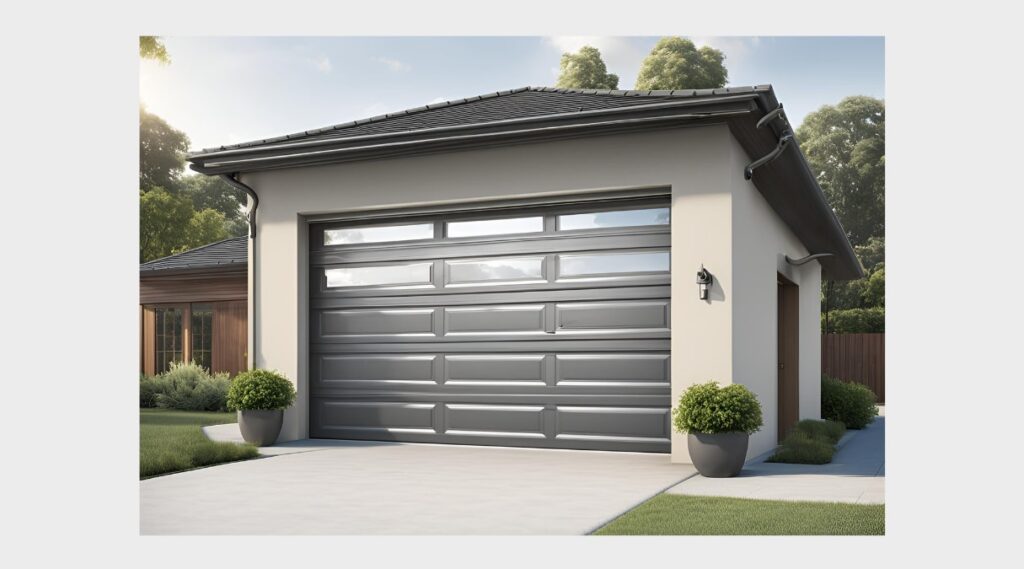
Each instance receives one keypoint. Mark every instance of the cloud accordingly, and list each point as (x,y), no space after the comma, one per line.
(321,64)
(393,64)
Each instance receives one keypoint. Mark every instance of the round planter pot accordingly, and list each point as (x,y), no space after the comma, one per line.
(718,455)
(260,427)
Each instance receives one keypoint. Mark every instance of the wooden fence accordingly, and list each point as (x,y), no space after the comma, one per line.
(855,357)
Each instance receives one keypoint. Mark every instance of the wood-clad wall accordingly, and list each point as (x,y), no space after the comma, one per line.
(230,335)
(192,288)
(225,292)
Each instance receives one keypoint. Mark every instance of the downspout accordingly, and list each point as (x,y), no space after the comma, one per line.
(254,202)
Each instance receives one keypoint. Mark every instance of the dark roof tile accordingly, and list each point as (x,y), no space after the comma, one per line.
(229,252)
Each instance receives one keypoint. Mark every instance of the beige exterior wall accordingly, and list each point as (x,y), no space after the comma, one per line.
(699,164)
(760,243)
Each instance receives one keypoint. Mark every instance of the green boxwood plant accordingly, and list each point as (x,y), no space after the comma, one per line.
(852,404)
(260,389)
(709,408)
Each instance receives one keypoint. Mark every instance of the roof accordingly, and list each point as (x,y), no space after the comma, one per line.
(525,102)
(534,114)
(222,255)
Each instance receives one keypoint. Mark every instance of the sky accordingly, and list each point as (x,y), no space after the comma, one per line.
(223,90)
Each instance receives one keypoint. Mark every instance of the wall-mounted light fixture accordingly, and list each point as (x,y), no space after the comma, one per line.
(704,280)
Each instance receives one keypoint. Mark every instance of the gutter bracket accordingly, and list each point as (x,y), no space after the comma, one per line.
(807,259)
(784,141)
(251,211)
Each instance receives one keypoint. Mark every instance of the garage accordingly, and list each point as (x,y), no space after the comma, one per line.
(529,324)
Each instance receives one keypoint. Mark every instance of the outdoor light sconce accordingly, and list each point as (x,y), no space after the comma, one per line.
(704,280)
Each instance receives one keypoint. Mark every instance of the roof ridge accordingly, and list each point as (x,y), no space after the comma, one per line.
(239,237)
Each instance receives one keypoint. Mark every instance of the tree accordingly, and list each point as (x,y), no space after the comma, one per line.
(841,299)
(150,47)
(585,70)
(163,219)
(211,192)
(168,224)
(676,63)
(845,147)
(161,153)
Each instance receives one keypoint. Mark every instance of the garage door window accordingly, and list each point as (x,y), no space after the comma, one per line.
(507,226)
(620,218)
(613,264)
(498,270)
(378,234)
(410,274)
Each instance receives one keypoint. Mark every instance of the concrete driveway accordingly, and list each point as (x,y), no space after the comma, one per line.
(350,487)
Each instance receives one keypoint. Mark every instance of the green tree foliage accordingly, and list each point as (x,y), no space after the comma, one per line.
(676,63)
(178,212)
(585,70)
(210,192)
(163,217)
(169,224)
(842,302)
(150,47)
(161,152)
(845,147)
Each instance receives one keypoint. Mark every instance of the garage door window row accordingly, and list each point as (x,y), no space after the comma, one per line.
(501,270)
(496,226)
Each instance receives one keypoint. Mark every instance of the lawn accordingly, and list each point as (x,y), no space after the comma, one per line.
(670,514)
(172,441)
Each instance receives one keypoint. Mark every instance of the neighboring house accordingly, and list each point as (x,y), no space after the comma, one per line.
(504,269)
(193,307)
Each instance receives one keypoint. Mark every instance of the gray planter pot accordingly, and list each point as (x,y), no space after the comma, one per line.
(260,427)
(718,455)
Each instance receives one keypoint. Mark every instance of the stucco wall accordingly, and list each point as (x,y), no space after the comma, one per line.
(699,164)
(760,243)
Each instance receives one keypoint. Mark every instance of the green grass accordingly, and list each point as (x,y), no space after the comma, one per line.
(670,514)
(172,441)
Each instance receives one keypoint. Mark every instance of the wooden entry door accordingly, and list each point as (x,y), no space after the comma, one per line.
(788,355)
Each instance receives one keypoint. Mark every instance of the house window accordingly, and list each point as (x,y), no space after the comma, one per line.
(168,337)
(201,334)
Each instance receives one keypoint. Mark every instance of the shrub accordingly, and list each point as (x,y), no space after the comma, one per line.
(708,408)
(849,403)
(800,448)
(147,391)
(260,389)
(189,387)
(830,431)
(855,320)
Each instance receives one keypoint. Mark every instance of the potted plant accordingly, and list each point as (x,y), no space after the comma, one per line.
(718,422)
(260,396)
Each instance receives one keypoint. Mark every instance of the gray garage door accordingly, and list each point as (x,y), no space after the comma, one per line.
(538,326)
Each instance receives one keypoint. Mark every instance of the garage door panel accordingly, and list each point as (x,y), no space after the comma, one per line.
(553,338)
(354,323)
(612,368)
(373,415)
(483,320)
(612,315)
(491,369)
(494,420)
(343,370)
(597,423)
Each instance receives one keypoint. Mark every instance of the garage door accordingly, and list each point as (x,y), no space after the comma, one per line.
(537,326)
